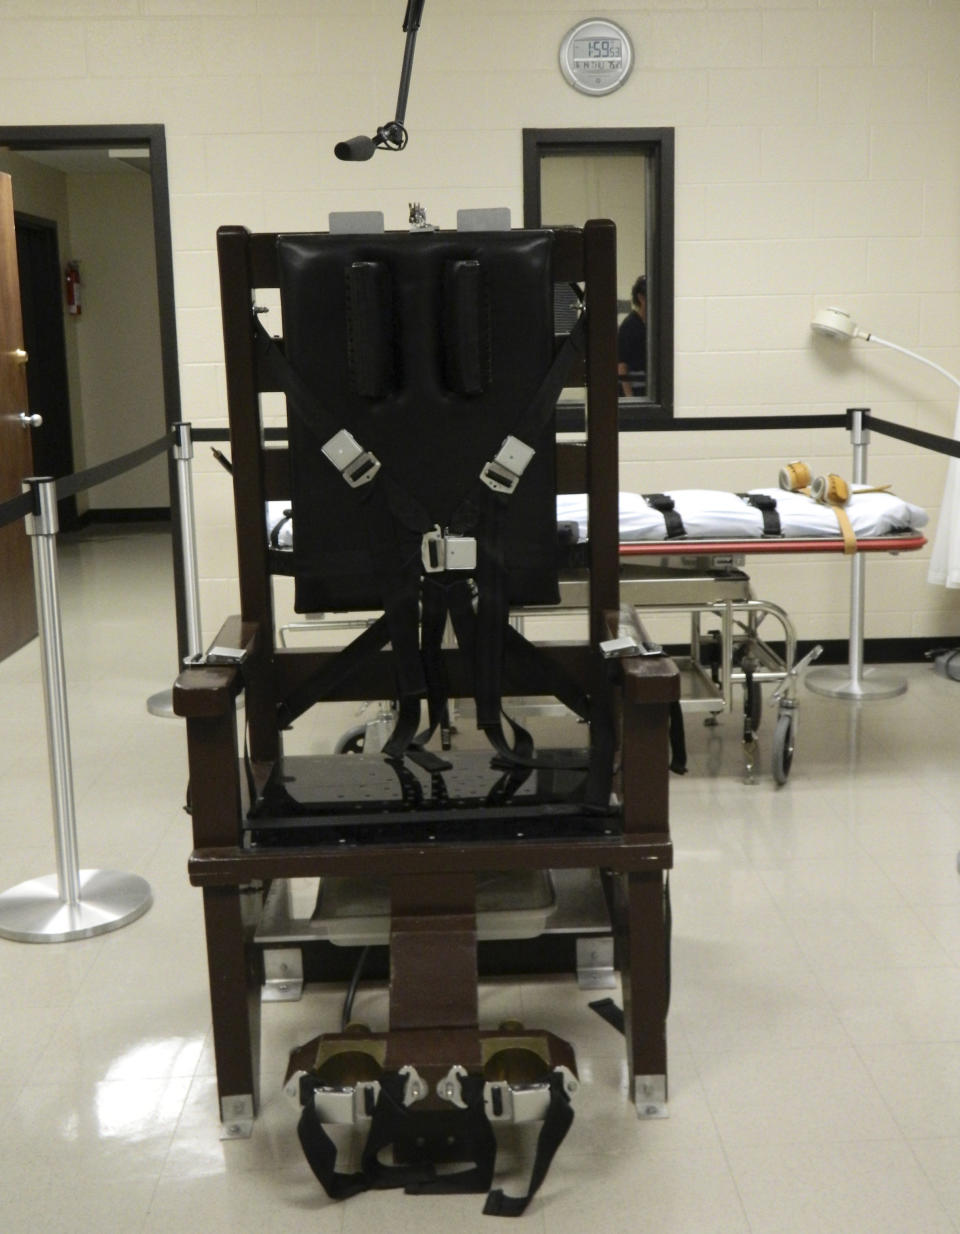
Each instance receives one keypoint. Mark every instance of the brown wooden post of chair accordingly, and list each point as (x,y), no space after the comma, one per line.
(237,282)
(640,917)
(206,697)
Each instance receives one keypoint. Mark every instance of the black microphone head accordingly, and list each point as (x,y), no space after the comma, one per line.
(356,150)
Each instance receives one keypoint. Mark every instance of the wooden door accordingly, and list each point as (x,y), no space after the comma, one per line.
(18,615)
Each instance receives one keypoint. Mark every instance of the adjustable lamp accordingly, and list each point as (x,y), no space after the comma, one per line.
(837,324)
(852,682)
(944,568)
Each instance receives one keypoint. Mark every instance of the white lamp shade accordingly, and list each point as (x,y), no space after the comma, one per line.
(834,323)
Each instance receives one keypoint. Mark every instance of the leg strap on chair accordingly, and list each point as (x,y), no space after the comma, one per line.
(461,1132)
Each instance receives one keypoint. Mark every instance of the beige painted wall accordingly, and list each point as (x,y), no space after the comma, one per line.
(118,335)
(574,188)
(818,162)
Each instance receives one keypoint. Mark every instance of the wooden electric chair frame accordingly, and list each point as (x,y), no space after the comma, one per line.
(433,884)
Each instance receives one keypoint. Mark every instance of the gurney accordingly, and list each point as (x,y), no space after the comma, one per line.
(682,553)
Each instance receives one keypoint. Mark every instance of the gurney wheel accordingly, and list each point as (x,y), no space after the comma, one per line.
(783,747)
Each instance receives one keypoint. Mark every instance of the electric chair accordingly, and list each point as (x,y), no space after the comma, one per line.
(421,373)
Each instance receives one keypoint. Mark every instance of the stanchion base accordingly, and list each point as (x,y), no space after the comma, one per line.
(33,912)
(840,683)
(162,705)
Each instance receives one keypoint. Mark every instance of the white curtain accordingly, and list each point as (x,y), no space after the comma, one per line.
(945,559)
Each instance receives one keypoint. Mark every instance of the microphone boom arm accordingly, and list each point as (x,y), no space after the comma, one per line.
(411,24)
(392,135)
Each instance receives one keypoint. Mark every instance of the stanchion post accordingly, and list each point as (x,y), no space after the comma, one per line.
(853,682)
(161,704)
(183,455)
(73,903)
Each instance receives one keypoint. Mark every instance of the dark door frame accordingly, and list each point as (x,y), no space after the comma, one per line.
(66,137)
(657,145)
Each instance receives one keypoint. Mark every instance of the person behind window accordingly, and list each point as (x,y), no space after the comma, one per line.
(632,343)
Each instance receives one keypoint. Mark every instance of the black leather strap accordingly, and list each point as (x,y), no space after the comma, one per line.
(319,685)
(664,505)
(767,506)
(556,1124)
(391,1122)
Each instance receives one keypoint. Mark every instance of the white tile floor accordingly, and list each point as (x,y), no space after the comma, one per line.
(814,1033)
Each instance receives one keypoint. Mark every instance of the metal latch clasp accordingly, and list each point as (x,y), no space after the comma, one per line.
(502,473)
(216,655)
(441,551)
(356,465)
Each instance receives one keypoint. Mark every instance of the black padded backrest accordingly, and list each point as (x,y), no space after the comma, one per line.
(427,347)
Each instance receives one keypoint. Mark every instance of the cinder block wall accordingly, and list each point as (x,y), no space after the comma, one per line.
(818,162)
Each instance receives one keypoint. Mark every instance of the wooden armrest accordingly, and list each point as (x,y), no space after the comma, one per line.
(205,690)
(650,679)
(646,679)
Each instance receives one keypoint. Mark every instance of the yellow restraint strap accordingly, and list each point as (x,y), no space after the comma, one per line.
(830,490)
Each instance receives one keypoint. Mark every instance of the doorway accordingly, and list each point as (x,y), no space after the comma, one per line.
(44,342)
(142,147)
(18,617)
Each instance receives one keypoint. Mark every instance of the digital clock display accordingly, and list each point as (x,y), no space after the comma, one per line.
(597,53)
(596,56)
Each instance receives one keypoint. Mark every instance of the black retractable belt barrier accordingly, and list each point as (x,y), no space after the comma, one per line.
(19,507)
(16,508)
(916,437)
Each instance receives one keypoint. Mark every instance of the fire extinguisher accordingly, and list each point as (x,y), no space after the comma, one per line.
(72,277)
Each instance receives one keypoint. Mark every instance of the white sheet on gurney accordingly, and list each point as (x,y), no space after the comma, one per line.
(710,514)
(715,514)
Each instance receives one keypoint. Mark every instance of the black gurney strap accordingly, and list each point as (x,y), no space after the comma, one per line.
(767,506)
(671,516)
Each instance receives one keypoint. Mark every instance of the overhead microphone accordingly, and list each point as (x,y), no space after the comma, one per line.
(356,150)
(392,135)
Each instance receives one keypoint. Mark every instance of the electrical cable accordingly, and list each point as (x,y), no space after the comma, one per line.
(352,988)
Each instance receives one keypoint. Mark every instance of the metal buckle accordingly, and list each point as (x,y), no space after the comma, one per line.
(445,552)
(346,1104)
(522,1103)
(356,465)
(502,473)
(216,655)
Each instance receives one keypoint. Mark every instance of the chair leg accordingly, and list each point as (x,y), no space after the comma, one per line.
(644,961)
(235,979)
